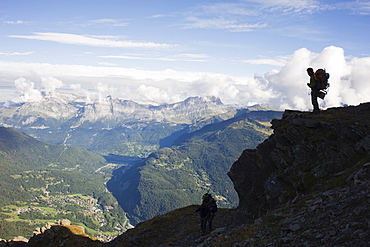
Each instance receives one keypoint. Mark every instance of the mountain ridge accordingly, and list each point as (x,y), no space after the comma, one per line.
(331,210)
(126,126)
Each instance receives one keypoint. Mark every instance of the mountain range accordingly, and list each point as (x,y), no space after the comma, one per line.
(308,184)
(107,125)
(167,155)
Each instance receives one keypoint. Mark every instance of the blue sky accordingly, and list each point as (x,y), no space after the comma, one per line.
(167,50)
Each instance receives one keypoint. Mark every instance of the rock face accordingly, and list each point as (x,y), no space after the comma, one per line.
(303,153)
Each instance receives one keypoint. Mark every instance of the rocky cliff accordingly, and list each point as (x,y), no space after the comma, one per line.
(304,153)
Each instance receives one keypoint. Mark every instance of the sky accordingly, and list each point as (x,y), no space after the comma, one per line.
(243,51)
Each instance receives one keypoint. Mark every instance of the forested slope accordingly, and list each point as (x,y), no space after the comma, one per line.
(179,175)
(40,182)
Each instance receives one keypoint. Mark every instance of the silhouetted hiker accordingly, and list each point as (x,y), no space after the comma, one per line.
(203,215)
(314,90)
(212,207)
(206,198)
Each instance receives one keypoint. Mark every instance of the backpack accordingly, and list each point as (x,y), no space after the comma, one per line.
(322,79)
(212,206)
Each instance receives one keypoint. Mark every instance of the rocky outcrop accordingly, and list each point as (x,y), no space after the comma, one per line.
(62,234)
(58,234)
(41,230)
(71,236)
(304,153)
(15,242)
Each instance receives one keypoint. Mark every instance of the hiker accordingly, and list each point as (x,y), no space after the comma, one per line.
(313,84)
(212,207)
(206,198)
(203,215)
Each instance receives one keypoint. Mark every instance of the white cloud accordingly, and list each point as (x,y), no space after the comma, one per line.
(75,39)
(151,93)
(246,16)
(283,88)
(16,53)
(221,23)
(288,6)
(19,22)
(267,61)
(107,64)
(345,79)
(26,89)
(358,7)
(50,83)
(109,22)
(178,57)
(156,16)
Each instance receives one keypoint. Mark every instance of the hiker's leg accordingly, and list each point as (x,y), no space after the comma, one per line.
(315,104)
(210,221)
(203,225)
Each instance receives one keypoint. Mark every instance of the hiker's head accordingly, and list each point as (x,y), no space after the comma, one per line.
(310,71)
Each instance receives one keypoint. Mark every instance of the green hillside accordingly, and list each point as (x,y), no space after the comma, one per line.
(41,183)
(176,176)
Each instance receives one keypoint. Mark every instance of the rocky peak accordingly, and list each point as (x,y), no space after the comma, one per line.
(68,106)
(202,100)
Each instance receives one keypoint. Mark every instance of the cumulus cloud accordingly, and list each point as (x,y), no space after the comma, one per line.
(346,79)
(50,83)
(281,89)
(27,91)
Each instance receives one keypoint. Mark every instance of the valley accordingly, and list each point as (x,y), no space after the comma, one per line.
(56,195)
(44,183)
(155,159)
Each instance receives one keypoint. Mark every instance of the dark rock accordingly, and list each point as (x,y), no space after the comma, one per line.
(303,151)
